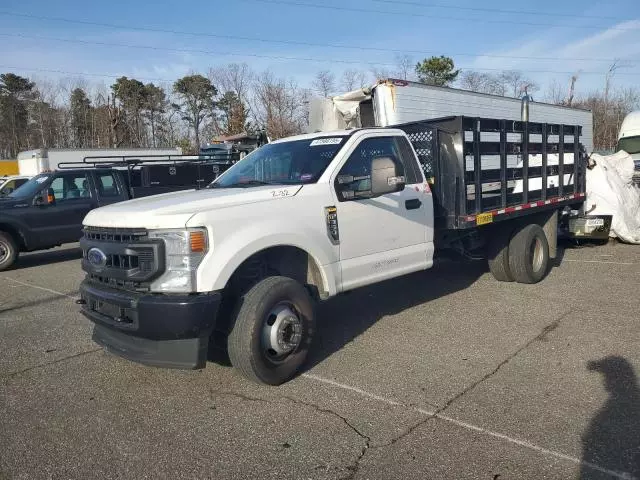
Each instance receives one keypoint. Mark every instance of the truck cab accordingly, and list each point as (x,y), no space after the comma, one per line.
(325,213)
(629,140)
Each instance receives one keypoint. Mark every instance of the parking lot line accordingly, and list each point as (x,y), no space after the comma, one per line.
(468,426)
(41,288)
(599,261)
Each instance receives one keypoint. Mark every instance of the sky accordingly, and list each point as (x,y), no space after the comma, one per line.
(547,40)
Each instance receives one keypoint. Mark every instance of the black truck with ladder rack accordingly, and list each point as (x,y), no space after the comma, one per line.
(48,210)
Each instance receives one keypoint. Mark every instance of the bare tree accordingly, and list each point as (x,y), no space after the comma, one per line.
(278,105)
(405,66)
(234,77)
(608,110)
(474,81)
(324,83)
(555,93)
(353,79)
(515,83)
(380,73)
(481,82)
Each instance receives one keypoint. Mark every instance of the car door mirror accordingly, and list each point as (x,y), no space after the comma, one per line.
(386,176)
(45,197)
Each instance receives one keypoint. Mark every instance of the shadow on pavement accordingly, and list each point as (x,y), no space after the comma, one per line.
(612,440)
(42,301)
(342,319)
(37,259)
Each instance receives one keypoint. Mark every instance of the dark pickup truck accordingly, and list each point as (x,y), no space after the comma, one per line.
(48,210)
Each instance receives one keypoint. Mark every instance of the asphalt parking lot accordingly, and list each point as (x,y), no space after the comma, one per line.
(441,374)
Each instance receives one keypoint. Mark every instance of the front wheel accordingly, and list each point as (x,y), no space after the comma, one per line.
(8,251)
(272,331)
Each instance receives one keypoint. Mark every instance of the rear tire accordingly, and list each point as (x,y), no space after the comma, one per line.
(272,331)
(529,254)
(498,257)
(8,251)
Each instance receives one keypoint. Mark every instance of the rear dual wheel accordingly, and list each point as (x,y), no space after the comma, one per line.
(529,254)
(498,256)
(522,257)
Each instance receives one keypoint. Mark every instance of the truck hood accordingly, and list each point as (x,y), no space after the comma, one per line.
(173,210)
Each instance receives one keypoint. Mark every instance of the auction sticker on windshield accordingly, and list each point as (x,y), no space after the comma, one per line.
(326,141)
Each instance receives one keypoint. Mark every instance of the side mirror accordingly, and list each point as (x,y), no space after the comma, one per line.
(45,197)
(386,176)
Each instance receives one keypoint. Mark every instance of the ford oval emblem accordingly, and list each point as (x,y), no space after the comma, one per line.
(96,257)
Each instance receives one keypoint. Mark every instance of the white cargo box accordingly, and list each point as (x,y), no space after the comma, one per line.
(393,102)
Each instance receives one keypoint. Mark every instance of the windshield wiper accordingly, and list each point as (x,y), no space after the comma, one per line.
(248,183)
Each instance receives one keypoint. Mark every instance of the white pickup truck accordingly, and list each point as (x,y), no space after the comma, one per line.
(241,262)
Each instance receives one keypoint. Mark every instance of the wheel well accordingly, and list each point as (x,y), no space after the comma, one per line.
(14,233)
(287,261)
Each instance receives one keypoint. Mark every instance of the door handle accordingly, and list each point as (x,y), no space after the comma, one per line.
(412,204)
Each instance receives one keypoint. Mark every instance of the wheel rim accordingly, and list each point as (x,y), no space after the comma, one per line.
(281,332)
(537,255)
(4,251)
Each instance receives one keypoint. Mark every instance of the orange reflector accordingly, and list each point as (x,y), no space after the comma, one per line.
(51,198)
(198,242)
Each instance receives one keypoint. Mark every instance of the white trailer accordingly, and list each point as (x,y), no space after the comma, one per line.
(34,162)
(394,102)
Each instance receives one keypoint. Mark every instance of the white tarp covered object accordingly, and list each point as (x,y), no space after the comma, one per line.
(348,105)
(610,188)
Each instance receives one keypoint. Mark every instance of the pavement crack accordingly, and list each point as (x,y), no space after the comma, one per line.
(53,362)
(240,396)
(409,431)
(355,466)
(538,338)
(431,415)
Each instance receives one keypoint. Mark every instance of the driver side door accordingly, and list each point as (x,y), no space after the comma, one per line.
(61,221)
(389,235)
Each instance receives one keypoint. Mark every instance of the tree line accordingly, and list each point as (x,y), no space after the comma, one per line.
(129,113)
(232,99)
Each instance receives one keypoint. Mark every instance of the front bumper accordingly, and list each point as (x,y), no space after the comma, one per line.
(161,330)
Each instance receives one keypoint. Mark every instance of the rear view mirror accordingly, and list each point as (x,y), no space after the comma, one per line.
(386,176)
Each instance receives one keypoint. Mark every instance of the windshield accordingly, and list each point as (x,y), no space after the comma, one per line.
(30,188)
(630,145)
(286,163)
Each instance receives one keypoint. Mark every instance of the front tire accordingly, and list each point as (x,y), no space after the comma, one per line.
(8,251)
(529,254)
(272,331)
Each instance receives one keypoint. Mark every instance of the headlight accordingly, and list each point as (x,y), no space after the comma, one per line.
(184,251)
